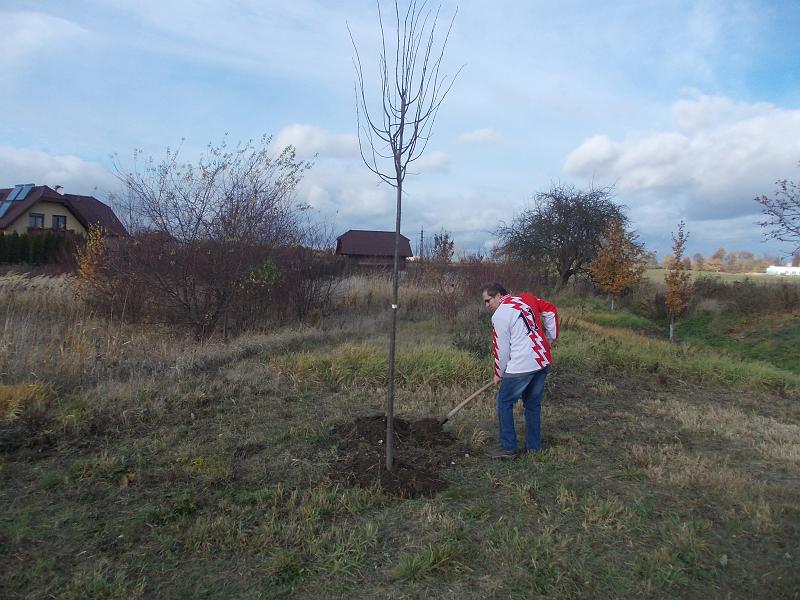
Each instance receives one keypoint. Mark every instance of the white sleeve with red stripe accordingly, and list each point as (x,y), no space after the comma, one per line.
(549,319)
(501,336)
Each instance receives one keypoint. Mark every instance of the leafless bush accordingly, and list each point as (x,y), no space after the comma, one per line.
(514,275)
(207,237)
(749,297)
(646,299)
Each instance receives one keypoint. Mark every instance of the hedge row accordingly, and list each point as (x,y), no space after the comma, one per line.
(35,249)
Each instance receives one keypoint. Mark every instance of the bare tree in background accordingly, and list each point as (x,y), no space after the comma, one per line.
(443,248)
(782,212)
(395,134)
(562,230)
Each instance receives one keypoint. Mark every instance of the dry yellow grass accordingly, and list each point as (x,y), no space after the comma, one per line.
(375,290)
(17,399)
(48,334)
(771,438)
(669,463)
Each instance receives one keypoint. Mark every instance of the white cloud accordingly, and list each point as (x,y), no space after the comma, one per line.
(252,34)
(719,157)
(346,195)
(487,135)
(309,140)
(433,162)
(346,191)
(27,33)
(703,111)
(75,175)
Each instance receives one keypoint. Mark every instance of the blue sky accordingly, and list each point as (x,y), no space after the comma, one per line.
(690,108)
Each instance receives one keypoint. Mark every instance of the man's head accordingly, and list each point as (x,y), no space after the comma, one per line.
(492,293)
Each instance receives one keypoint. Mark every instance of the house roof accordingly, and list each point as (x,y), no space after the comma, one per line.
(358,242)
(88,210)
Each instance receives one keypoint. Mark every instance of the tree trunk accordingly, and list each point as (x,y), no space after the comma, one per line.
(392,341)
(395,280)
(671,328)
(612,301)
(563,278)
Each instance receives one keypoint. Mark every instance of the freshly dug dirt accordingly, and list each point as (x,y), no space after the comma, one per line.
(422,451)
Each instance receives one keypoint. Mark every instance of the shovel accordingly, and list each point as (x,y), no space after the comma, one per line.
(446,418)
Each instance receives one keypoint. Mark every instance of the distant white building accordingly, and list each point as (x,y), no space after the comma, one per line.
(783,270)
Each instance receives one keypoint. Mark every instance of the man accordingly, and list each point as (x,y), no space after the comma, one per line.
(524,329)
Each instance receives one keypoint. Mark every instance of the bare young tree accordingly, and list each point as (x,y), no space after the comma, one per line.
(394,132)
(443,248)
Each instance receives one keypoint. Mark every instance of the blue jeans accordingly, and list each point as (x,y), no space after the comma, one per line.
(529,388)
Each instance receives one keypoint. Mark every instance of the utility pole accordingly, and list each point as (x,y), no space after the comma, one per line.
(421,243)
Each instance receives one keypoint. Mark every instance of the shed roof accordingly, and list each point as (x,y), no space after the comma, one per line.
(359,242)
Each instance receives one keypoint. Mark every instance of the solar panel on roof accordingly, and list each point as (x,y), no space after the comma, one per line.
(24,191)
(4,208)
(14,193)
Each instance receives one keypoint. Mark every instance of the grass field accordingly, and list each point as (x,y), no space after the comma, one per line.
(657,276)
(154,466)
(768,337)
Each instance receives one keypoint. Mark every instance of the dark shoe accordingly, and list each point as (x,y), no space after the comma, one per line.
(502,454)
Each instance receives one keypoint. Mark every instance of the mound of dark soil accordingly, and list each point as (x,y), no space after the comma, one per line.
(422,450)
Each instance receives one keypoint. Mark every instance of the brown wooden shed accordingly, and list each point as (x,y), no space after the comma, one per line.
(372,248)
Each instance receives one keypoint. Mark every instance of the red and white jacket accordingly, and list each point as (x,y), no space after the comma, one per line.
(523,327)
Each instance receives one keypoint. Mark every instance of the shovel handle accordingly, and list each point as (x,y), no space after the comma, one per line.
(446,418)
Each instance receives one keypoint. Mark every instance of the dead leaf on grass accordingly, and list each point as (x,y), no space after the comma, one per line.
(126,480)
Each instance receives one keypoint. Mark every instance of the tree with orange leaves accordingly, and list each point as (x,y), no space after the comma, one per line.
(620,260)
(678,280)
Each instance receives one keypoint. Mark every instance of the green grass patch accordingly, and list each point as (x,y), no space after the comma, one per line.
(657,276)
(769,338)
(623,351)
(623,319)
(435,559)
(217,482)
(364,364)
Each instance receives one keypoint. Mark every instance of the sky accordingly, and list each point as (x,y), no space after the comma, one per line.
(690,109)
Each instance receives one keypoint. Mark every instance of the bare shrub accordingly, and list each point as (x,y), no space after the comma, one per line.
(472,331)
(708,305)
(748,297)
(514,275)
(294,283)
(202,231)
(648,300)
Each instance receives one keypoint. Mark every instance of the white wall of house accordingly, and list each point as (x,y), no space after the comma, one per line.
(48,209)
(783,270)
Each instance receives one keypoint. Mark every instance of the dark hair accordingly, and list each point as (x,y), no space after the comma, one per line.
(493,289)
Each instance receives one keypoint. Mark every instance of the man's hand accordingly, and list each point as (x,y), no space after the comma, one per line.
(552,343)
(497,380)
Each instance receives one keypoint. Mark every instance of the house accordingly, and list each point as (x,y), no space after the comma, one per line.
(372,248)
(787,270)
(33,208)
